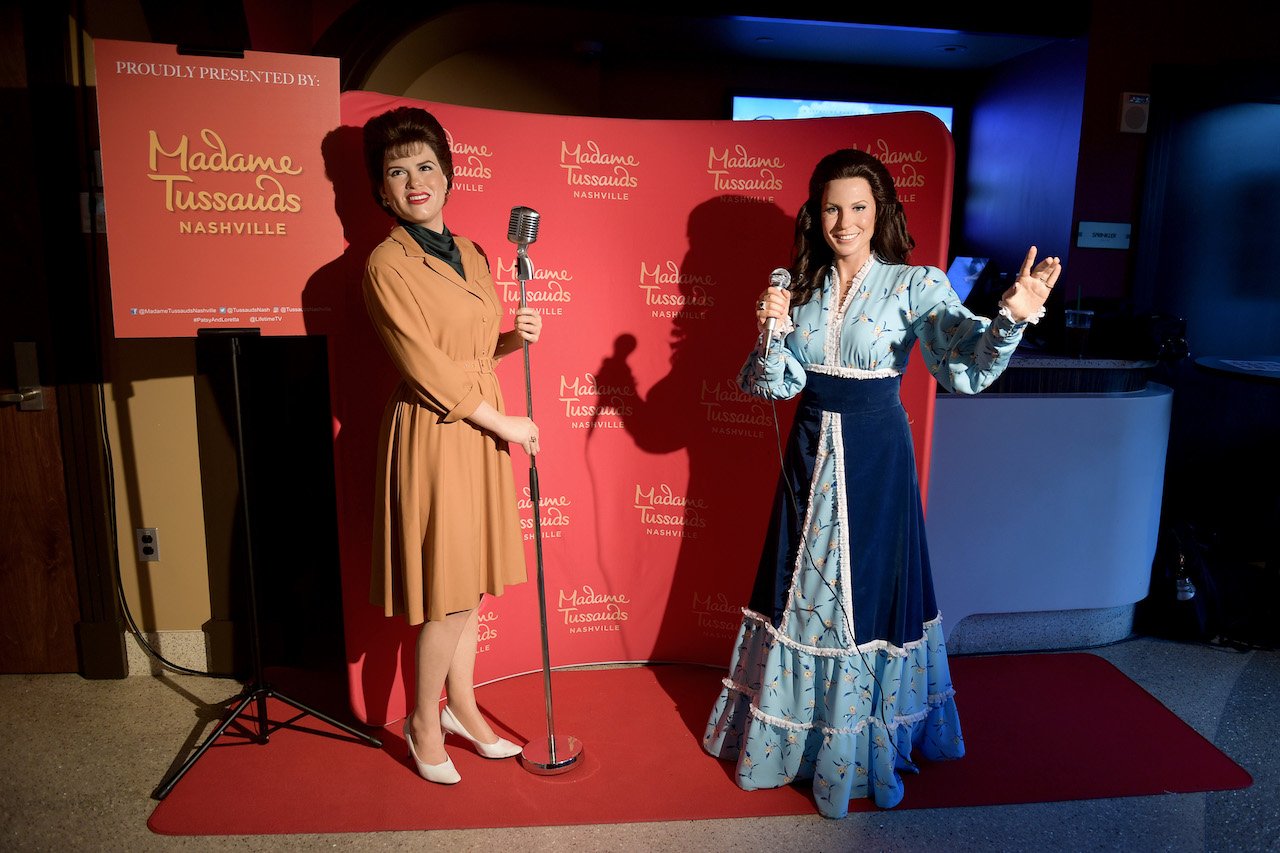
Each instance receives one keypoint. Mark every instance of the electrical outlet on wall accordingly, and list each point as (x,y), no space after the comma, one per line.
(148,542)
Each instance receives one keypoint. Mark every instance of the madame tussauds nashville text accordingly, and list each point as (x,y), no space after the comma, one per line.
(179,167)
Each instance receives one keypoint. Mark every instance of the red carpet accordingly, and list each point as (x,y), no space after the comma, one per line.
(1037,728)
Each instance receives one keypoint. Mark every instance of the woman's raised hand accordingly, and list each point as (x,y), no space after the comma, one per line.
(1027,295)
(773,302)
(528,324)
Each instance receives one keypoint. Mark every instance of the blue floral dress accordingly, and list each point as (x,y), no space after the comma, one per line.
(839,670)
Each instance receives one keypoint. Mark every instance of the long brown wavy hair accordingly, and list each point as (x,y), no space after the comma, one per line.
(812,255)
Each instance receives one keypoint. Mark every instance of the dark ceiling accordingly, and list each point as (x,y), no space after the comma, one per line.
(954,36)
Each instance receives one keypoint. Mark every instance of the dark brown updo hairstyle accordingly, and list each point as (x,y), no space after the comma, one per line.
(812,254)
(396,133)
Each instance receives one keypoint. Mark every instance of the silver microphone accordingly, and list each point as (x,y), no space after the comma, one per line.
(522,229)
(781,279)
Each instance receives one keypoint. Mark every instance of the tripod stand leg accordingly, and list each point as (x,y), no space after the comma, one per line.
(369,739)
(167,785)
(259,695)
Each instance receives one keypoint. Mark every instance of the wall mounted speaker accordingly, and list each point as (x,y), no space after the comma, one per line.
(1134,110)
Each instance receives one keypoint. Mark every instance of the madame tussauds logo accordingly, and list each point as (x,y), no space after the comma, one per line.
(732,412)
(663,512)
(553,515)
(714,615)
(738,170)
(470,165)
(904,165)
(591,405)
(486,630)
(594,173)
(548,290)
(586,611)
(180,167)
(669,293)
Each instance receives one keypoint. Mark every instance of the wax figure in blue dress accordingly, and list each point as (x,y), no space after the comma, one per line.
(839,672)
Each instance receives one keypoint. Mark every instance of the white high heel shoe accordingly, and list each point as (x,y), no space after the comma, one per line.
(502,748)
(443,774)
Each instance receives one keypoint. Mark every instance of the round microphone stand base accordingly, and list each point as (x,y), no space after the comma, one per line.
(540,759)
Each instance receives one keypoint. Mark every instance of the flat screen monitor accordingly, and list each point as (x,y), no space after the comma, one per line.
(747,108)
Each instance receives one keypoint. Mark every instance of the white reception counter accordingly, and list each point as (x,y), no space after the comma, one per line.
(1045,505)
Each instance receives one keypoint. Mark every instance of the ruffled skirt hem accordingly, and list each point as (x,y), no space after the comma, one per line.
(848,722)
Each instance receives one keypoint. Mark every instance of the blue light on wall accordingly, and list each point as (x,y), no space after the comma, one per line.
(1218,214)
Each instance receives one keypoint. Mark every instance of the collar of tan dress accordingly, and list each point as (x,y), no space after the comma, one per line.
(413,250)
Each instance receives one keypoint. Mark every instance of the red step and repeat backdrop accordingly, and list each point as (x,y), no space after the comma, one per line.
(656,473)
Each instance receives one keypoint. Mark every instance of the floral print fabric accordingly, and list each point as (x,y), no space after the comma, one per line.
(839,673)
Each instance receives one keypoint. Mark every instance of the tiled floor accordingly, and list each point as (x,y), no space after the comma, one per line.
(80,759)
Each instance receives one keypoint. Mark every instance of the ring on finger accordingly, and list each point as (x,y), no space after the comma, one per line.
(760,305)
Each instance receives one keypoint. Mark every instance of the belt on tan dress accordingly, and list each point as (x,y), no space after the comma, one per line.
(485,364)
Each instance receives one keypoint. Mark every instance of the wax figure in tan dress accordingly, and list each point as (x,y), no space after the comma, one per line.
(447,525)
(446,528)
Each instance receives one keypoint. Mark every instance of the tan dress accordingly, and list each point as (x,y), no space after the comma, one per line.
(446,527)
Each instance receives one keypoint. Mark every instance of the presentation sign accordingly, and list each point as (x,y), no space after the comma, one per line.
(217,204)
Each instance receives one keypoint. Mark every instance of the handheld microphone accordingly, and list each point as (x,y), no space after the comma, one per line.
(780,278)
(522,229)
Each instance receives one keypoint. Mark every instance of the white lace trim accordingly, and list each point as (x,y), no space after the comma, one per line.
(820,456)
(833,427)
(827,446)
(1008,315)
(829,652)
(835,323)
(853,372)
(934,701)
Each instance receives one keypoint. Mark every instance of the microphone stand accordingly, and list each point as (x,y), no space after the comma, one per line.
(556,755)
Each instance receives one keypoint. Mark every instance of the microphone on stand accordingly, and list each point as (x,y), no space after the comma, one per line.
(555,754)
(780,278)
(522,229)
